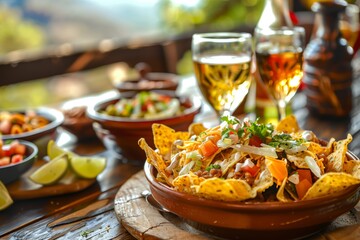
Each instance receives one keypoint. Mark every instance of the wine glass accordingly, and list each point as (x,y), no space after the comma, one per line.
(222,63)
(279,58)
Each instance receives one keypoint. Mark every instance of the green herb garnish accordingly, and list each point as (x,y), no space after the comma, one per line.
(85,233)
(213,166)
(261,130)
(284,141)
(229,119)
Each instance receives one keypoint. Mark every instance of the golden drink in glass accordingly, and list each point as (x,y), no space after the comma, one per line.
(224,80)
(279,61)
(281,73)
(222,65)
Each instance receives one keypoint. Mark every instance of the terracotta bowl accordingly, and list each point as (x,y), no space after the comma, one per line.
(148,80)
(253,220)
(126,132)
(153,81)
(12,172)
(40,136)
(77,123)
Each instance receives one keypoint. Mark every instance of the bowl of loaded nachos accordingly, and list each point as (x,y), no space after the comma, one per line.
(245,179)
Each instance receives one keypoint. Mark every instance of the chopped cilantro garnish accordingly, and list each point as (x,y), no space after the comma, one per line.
(85,233)
(229,119)
(284,141)
(263,131)
(225,133)
(213,166)
(258,129)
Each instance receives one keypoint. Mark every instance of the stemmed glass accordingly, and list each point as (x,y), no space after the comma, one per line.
(279,58)
(222,63)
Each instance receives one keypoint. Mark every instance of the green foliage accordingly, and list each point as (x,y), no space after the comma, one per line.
(211,14)
(15,33)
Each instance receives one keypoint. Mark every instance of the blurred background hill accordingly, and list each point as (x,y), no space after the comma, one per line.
(38,26)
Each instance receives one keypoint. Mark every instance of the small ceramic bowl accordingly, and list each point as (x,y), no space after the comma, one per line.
(148,80)
(126,132)
(55,117)
(40,136)
(77,123)
(253,220)
(10,173)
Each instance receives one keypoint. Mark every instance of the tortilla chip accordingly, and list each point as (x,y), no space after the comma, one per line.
(352,167)
(185,183)
(265,181)
(288,125)
(329,147)
(281,194)
(196,129)
(229,159)
(337,157)
(316,148)
(164,137)
(298,159)
(225,190)
(330,184)
(208,160)
(154,159)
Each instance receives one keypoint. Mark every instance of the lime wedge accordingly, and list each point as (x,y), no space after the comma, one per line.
(87,167)
(52,171)
(5,198)
(54,150)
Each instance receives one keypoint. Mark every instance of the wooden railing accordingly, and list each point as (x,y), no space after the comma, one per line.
(162,56)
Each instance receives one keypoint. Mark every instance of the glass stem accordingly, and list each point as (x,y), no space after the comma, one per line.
(281,107)
(226,112)
(222,113)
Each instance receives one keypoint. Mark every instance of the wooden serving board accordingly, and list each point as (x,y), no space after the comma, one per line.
(143,221)
(24,188)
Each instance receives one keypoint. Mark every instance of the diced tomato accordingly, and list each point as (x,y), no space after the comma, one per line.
(4,161)
(252,170)
(277,169)
(7,150)
(305,182)
(302,188)
(304,174)
(164,98)
(12,153)
(215,138)
(146,105)
(255,141)
(17,158)
(18,148)
(208,148)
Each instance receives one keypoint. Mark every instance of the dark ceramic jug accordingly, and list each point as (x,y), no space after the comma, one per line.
(327,64)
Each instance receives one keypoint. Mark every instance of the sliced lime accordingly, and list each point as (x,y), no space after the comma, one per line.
(5,198)
(52,171)
(87,167)
(54,150)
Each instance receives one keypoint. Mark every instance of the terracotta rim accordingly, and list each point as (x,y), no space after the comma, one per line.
(246,206)
(170,81)
(93,111)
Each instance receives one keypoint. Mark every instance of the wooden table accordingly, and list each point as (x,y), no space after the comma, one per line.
(89,214)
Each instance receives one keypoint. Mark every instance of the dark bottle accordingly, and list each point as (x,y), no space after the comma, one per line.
(327,64)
